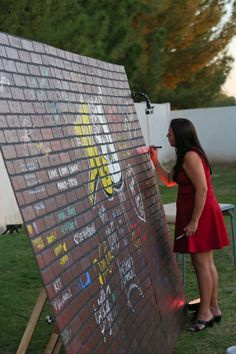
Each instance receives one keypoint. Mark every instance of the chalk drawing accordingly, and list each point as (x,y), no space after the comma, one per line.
(63,260)
(112,237)
(57,284)
(39,206)
(102,312)
(66,334)
(37,190)
(31,179)
(93,131)
(4,81)
(103,213)
(130,127)
(66,213)
(59,303)
(60,248)
(135,193)
(38,244)
(127,275)
(85,234)
(69,226)
(51,237)
(85,283)
(104,264)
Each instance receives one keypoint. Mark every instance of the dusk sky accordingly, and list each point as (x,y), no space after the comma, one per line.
(230,85)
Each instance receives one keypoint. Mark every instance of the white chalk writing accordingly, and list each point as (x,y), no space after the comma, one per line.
(102,312)
(83,235)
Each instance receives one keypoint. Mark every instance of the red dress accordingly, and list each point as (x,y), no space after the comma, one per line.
(211,232)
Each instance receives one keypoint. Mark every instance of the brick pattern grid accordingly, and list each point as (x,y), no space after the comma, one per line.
(108,267)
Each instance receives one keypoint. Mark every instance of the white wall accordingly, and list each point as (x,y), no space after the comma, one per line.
(9,211)
(216,128)
(155,126)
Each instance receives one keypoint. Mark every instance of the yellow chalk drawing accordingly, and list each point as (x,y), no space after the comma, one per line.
(98,164)
(51,237)
(38,243)
(64,259)
(103,265)
(61,248)
(136,240)
(45,150)
(29,229)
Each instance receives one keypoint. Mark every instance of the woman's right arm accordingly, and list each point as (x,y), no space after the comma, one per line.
(165,176)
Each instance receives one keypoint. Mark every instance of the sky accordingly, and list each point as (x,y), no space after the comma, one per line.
(230,85)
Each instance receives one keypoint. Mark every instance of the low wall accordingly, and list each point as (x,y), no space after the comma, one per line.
(216,128)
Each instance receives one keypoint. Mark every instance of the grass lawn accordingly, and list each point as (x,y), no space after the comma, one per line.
(20,286)
(223,335)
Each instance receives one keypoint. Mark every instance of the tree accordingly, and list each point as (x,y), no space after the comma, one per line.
(102,30)
(190,43)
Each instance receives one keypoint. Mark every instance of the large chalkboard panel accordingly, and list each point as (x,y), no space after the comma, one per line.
(71,142)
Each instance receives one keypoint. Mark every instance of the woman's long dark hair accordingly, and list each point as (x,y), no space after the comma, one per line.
(186,139)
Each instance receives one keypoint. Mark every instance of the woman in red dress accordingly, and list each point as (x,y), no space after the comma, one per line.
(198,218)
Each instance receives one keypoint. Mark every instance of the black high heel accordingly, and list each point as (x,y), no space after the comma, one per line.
(200,325)
(217,318)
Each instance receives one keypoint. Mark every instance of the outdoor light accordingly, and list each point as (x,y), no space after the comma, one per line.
(149,108)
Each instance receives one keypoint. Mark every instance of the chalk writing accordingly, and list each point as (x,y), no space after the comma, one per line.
(51,237)
(127,274)
(135,193)
(31,179)
(66,184)
(66,213)
(28,166)
(102,312)
(53,173)
(60,248)
(59,303)
(63,260)
(66,334)
(69,226)
(38,243)
(37,190)
(103,265)
(83,235)
(64,170)
(39,206)
(130,126)
(57,285)
(44,148)
(112,237)
(3,82)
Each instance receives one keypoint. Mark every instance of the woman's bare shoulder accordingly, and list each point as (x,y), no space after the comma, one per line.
(191,157)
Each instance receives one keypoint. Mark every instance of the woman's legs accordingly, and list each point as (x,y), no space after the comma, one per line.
(214,298)
(207,283)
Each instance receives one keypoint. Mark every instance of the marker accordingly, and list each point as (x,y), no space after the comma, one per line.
(177,238)
(146,149)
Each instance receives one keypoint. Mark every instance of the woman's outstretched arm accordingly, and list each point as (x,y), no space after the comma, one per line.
(165,176)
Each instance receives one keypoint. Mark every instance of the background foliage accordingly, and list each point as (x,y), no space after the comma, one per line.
(173,50)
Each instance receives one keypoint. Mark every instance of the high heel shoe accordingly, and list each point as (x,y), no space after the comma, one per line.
(217,318)
(200,325)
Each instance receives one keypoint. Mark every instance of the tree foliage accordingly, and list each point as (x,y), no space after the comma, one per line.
(192,42)
(175,51)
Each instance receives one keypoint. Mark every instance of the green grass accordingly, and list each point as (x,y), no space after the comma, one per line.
(20,285)
(223,335)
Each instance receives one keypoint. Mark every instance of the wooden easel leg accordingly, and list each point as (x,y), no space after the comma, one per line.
(54,343)
(32,322)
(58,346)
